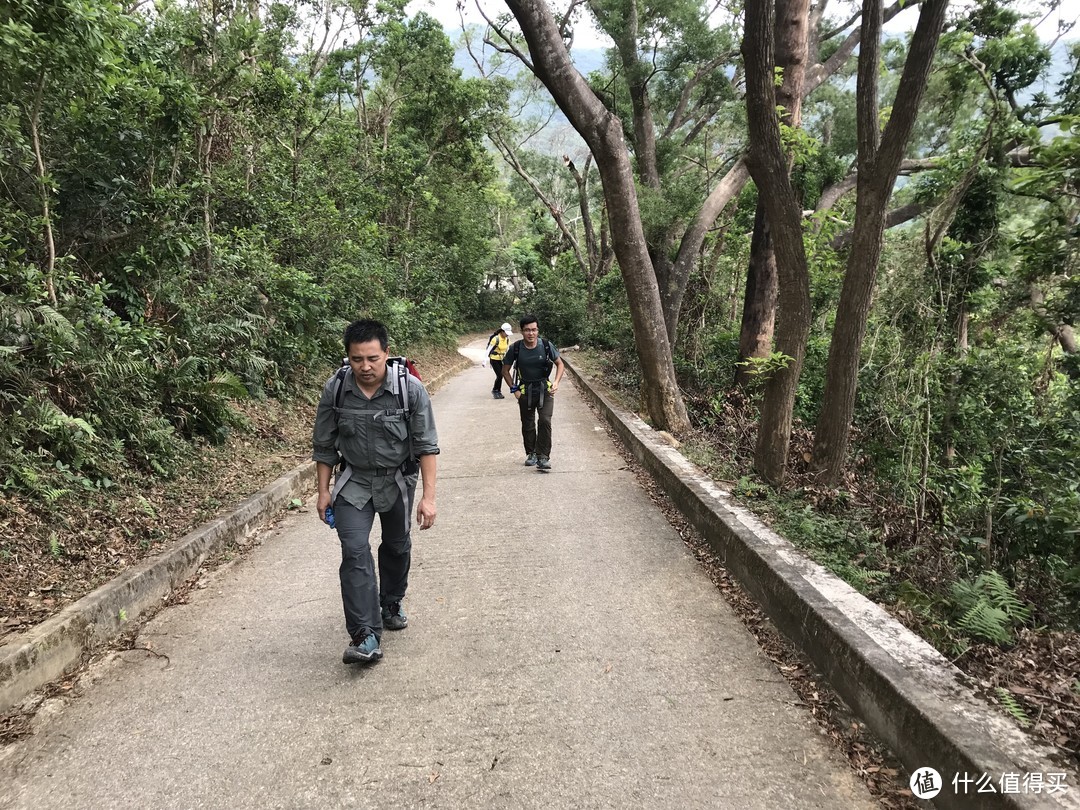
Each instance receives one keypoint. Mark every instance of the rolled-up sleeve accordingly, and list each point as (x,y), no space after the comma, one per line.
(425,439)
(324,435)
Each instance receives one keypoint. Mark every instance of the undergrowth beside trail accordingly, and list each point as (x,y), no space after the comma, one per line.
(1016,639)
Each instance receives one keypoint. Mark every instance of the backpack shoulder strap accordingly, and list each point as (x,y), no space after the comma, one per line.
(339,386)
(398,370)
(549,355)
(515,350)
(401,381)
(403,387)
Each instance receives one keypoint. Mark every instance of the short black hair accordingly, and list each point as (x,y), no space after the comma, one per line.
(363,330)
(527,319)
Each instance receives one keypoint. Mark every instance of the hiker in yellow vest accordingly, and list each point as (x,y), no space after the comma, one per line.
(497,346)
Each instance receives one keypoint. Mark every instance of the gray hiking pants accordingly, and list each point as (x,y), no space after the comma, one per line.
(361,594)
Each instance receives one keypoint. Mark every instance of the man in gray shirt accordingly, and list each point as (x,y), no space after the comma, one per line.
(533,358)
(375,421)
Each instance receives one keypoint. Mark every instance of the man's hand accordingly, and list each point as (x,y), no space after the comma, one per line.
(554,387)
(321,504)
(425,513)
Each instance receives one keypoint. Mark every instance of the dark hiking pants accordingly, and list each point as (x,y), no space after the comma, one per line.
(536,424)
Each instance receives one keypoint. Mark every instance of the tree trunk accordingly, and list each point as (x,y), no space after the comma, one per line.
(43,185)
(625,28)
(769,168)
(878,165)
(759,301)
(759,307)
(690,246)
(637,82)
(602,131)
(597,247)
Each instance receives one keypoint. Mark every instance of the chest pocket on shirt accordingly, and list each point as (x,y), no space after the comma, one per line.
(350,422)
(394,425)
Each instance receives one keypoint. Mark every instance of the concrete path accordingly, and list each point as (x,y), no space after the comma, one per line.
(564,650)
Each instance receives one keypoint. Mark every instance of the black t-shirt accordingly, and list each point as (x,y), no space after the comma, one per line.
(531,363)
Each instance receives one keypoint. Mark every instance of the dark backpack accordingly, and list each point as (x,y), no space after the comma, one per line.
(401,368)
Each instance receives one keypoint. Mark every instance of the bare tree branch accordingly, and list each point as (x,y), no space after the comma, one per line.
(510,156)
(842,28)
(678,117)
(564,23)
(726,190)
(817,75)
(592,248)
(897,216)
(817,14)
(509,47)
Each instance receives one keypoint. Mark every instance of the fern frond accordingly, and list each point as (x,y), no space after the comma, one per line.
(56,321)
(1012,706)
(113,371)
(48,418)
(185,372)
(964,594)
(52,494)
(228,384)
(986,621)
(997,590)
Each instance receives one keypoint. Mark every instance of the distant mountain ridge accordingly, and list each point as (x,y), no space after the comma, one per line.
(585,59)
(562,139)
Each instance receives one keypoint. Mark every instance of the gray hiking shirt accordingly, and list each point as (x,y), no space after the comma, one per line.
(370,434)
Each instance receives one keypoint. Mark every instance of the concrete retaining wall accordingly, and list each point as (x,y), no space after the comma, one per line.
(44,653)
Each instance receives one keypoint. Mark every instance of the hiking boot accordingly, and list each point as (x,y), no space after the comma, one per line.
(363,650)
(393,617)
(497,395)
(543,463)
(530,460)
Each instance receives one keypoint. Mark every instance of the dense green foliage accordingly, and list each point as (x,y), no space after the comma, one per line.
(196,199)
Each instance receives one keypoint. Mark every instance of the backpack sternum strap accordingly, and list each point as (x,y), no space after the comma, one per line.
(398,368)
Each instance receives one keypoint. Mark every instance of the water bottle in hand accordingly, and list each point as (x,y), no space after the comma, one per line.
(329,517)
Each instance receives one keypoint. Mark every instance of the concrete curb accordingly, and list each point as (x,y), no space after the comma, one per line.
(44,653)
(437,381)
(913,699)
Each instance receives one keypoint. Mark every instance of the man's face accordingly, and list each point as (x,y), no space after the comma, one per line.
(368,361)
(530,331)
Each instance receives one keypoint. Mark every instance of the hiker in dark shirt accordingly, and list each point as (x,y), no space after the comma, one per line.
(375,419)
(532,359)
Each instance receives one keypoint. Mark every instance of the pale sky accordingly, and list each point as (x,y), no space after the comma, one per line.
(445,11)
